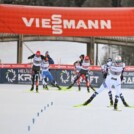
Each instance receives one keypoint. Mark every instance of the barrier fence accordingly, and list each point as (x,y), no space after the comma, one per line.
(63,74)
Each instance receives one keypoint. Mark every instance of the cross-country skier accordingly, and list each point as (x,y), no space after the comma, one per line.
(84,70)
(105,69)
(50,60)
(37,59)
(76,72)
(47,74)
(77,65)
(113,79)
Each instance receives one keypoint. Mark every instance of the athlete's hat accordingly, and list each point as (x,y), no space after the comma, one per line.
(38,53)
(86,58)
(82,56)
(47,52)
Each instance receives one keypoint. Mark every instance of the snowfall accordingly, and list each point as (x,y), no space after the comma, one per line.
(54,112)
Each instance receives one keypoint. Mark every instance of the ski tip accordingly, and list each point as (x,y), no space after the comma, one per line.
(110,106)
(130,107)
(88,105)
(81,105)
(69,88)
(65,89)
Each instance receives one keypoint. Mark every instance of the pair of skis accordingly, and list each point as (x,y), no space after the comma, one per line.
(110,106)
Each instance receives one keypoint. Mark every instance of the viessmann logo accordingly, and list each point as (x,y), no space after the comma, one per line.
(57,24)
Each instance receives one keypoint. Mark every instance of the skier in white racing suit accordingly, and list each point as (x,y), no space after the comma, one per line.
(113,79)
(37,59)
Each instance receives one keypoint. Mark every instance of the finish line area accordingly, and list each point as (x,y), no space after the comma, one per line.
(52,111)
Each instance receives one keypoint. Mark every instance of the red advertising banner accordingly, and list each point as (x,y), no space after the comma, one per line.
(58,66)
(62,21)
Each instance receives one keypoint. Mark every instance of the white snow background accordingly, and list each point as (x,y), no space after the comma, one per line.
(53,112)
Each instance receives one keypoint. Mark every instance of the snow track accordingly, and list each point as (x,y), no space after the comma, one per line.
(52,112)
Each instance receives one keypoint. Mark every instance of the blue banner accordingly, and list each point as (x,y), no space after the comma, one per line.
(9,76)
(62,77)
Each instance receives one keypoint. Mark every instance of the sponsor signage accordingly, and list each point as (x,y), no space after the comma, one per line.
(9,76)
(24,75)
(14,74)
(58,66)
(59,21)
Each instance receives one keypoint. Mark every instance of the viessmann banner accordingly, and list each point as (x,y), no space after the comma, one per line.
(60,21)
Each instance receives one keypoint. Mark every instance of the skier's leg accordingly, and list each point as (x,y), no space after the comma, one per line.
(87,82)
(55,84)
(78,84)
(109,84)
(44,80)
(77,77)
(99,90)
(52,81)
(33,77)
(90,99)
(116,102)
(117,84)
(110,97)
(44,83)
(123,100)
(92,87)
(37,80)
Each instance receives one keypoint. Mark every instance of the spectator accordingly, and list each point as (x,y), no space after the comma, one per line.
(50,60)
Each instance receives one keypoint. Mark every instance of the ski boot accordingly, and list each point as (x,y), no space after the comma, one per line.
(45,87)
(70,86)
(116,102)
(79,88)
(32,88)
(88,90)
(58,86)
(37,90)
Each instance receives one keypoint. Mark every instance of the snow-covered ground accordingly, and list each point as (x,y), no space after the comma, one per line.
(61,52)
(52,112)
